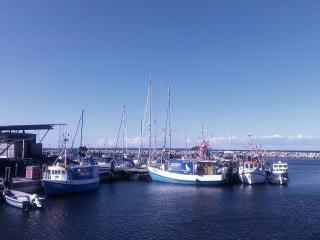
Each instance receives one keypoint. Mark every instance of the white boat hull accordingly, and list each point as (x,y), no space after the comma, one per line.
(254,177)
(21,200)
(15,203)
(278,179)
(169,177)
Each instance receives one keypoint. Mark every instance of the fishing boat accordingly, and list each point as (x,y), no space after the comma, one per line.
(22,200)
(252,171)
(69,177)
(279,173)
(193,172)
(62,177)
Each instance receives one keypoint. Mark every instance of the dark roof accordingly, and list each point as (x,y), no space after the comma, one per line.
(28,127)
(7,136)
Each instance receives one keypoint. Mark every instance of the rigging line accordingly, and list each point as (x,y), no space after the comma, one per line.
(76,133)
(81,128)
(120,128)
(146,110)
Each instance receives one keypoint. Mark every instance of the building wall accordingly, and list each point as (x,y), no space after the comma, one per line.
(17,150)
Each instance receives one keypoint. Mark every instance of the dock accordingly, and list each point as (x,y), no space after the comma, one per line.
(26,185)
(107,174)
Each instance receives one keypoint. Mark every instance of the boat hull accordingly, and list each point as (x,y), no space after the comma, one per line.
(186,179)
(52,187)
(281,179)
(16,203)
(253,177)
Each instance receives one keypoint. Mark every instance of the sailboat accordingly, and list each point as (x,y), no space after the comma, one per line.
(186,171)
(64,177)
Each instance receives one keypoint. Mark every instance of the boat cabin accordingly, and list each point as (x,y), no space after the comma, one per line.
(192,167)
(251,165)
(76,172)
(56,173)
(229,156)
(280,167)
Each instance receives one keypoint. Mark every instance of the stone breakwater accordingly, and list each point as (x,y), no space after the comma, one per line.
(218,153)
(286,154)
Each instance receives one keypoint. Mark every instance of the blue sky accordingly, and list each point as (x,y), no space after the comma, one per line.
(237,66)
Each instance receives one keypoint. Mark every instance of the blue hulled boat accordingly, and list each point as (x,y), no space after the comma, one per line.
(60,179)
(192,172)
(69,178)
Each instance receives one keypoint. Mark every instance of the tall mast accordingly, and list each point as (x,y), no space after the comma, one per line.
(150,114)
(140,146)
(185,140)
(202,132)
(169,117)
(59,141)
(154,138)
(124,146)
(65,151)
(81,128)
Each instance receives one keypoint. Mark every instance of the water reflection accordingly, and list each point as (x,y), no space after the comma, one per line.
(149,210)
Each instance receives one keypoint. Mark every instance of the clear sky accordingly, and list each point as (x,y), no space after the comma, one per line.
(237,66)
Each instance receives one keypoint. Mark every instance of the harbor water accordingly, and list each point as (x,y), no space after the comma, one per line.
(150,210)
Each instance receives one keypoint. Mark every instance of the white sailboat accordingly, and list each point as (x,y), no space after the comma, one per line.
(182,171)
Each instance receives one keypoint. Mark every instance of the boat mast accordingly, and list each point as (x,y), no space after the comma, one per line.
(154,138)
(140,146)
(65,151)
(150,114)
(169,117)
(185,141)
(59,140)
(124,141)
(81,128)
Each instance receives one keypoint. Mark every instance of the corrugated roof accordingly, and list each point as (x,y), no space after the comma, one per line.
(28,127)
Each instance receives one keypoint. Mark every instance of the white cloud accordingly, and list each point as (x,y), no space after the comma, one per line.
(112,142)
(101,142)
(300,136)
(135,141)
(275,136)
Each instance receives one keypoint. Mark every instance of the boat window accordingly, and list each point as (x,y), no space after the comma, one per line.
(251,165)
(62,172)
(247,166)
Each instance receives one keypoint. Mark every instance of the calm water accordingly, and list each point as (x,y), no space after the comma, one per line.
(148,210)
